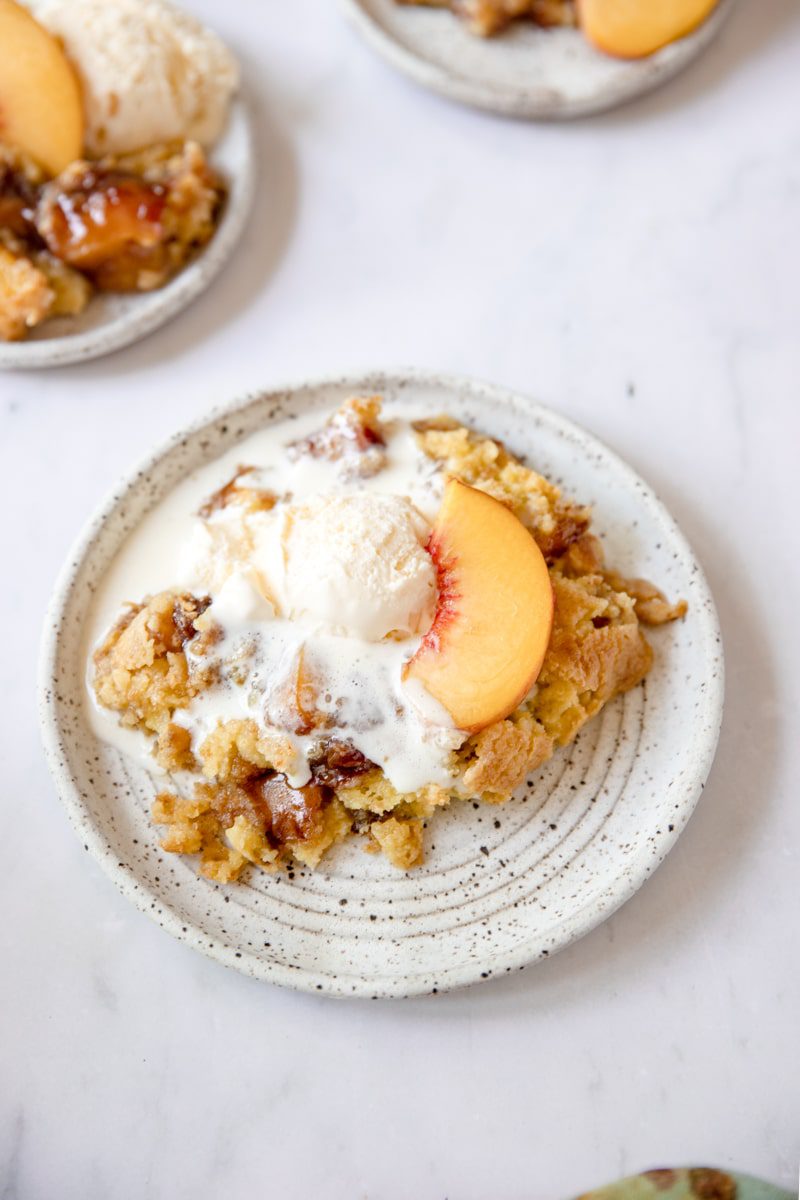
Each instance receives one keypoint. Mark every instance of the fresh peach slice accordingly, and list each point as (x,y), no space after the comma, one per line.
(494,613)
(41,111)
(636,28)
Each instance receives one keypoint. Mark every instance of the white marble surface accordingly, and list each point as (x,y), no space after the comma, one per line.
(641,272)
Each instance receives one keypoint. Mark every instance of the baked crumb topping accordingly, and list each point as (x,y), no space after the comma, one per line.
(352,437)
(486,17)
(25,295)
(243,809)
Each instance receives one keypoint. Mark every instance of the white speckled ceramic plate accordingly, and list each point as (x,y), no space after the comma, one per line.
(541,74)
(113,321)
(501,887)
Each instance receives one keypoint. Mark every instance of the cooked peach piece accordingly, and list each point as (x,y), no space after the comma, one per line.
(634,29)
(494,614)
(41,111)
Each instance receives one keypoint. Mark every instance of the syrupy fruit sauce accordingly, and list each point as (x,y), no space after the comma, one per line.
(284,813)
(108,223)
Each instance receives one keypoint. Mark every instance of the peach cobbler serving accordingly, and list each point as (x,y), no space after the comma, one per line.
(625,28)
(107,109)
(364,619)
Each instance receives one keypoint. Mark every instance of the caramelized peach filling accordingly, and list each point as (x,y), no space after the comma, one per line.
(102,214)
(283,813)
(125,224)
(17,200)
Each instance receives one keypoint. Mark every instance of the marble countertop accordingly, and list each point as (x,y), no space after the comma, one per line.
(640,272)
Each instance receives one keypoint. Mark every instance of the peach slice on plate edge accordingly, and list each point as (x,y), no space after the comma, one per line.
(637,28)
(41,109)
(494,615)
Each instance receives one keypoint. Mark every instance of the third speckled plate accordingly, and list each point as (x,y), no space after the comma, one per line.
(501,887)
(541,74)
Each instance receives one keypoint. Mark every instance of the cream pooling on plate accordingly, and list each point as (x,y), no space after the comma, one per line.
(331,588)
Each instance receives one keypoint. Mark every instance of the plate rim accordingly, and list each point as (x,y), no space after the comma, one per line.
(166,302)
(581,921)
(522,103)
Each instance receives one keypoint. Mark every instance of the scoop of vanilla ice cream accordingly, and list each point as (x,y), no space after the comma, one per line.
(150,73)
(354,565)
(212,551)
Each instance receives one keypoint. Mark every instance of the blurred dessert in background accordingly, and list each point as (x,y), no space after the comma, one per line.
(623,28)
(144,87)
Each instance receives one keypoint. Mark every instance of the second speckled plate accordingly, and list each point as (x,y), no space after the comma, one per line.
(541,74)
(501,887)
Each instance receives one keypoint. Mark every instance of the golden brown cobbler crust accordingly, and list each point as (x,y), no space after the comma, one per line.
(245,812)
